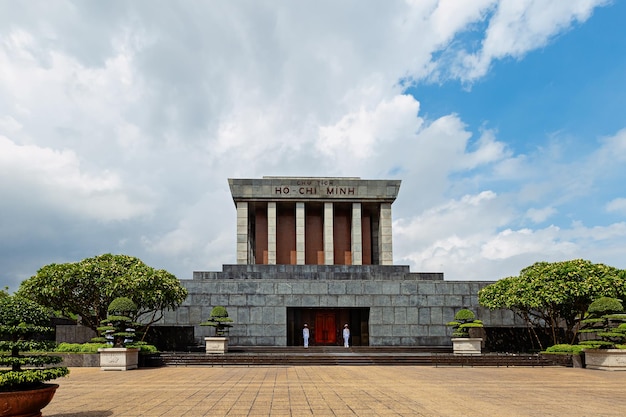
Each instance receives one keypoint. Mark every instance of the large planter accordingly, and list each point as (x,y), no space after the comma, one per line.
(216,344)
(119,359)
(466,345)
(27,403)
(605,359)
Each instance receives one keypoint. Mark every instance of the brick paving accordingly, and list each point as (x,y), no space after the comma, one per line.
(339,391)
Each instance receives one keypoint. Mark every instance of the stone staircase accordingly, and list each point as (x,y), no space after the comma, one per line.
(362,356)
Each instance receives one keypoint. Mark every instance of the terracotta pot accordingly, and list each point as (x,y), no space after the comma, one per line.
(27,403)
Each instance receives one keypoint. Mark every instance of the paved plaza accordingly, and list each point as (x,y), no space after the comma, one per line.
(339,391)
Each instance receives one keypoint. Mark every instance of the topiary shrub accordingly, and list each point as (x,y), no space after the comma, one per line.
(564,349)
(464,319)
(23,326)
(606,322)
(118,329)
(220,320)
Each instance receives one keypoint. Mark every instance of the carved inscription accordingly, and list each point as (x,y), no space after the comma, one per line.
(314,188)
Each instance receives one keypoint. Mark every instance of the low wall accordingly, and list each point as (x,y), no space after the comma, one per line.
(79,360)
(92,360)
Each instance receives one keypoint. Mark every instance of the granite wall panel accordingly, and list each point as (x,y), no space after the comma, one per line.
(404,307)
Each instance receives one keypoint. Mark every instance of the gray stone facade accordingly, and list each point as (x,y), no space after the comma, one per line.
(318,250)
(405,308)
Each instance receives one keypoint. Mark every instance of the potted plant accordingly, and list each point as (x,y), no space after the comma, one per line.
(118,330)
(462,343)
(606,322)
(222,323)
(23,391)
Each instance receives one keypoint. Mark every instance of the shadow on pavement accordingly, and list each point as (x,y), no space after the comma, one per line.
(83,414)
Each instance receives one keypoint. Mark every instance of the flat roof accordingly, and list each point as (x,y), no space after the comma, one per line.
(270,188)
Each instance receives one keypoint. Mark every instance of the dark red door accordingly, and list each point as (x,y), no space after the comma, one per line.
(325,333)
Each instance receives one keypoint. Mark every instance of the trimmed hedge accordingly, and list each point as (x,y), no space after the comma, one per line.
(565,349)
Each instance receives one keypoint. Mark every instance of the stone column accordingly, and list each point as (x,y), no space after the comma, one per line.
(329,248)
(271,233)
(242,233)
(357,235)
(300,233)
(386,250)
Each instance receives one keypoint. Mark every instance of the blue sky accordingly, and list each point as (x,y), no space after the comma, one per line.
(120,123)
(574,85)
(570,92)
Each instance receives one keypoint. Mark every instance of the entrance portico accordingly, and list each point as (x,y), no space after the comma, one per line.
(326,323)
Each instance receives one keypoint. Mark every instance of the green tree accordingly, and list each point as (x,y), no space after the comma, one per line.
(555,295)
(607,322)
(88,287)
(118,328)
(464,320)
(220,320)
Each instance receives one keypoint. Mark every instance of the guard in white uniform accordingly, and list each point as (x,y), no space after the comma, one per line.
(305,335)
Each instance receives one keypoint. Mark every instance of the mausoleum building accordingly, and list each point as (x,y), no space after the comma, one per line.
(320,251)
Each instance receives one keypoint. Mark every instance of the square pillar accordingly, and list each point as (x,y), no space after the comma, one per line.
(357,235)
(300,234)
(385,242)
(329,255)
(271,233)
(242,233)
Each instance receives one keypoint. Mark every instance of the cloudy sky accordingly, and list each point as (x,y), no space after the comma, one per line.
(120,123)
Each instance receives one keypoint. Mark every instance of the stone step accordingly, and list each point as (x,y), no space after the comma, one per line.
(297,356)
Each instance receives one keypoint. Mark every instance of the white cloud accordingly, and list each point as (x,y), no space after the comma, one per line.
(55,178)
(490,254)
(617,205)
(488,150)
(8,125)
(449,235)
(520,26)
(362,134)
(119,126)
(540,215)
(540,243)
(612,151)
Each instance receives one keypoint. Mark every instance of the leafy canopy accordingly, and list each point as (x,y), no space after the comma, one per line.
(555,295)
(88,287)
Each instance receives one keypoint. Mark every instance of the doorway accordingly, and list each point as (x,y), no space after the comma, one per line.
(324,328)
(325,325)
